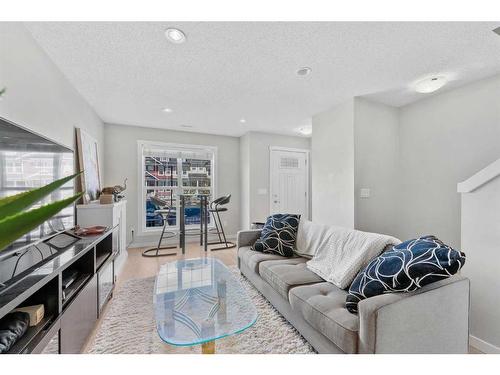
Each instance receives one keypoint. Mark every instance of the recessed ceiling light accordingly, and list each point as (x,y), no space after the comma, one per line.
(430,84)
(186,126)
(304,71)
(243,120)
(175,35)
(167,110)
(306,130)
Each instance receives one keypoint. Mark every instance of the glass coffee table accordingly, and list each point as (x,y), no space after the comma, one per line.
(198,301)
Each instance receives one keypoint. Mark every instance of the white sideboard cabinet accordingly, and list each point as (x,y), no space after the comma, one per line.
(110,215)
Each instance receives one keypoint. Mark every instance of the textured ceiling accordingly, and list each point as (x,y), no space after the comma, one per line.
(225,71)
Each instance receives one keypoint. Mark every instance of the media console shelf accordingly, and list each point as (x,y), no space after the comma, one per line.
(73,285)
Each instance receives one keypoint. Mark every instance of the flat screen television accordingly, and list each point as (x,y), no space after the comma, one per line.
(28,161)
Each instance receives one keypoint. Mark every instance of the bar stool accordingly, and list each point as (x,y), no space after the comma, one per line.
(164,211)
(215,208)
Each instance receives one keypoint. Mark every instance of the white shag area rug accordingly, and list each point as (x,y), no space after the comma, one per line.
(128,327)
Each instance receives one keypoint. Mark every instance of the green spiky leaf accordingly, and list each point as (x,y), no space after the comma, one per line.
(16,226)
(16,203)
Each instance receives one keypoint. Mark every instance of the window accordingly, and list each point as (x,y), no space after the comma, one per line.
(169,170)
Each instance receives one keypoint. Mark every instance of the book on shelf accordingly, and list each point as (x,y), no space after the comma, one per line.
(69,279)
(36,313)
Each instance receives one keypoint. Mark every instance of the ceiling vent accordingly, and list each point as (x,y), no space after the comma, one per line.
(497,31)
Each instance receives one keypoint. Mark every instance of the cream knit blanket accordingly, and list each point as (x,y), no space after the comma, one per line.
(343,252)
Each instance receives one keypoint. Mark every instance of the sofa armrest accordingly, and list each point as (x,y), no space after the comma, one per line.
(247,237)
(433,319)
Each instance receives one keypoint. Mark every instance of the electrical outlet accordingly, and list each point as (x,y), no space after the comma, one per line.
(364,193)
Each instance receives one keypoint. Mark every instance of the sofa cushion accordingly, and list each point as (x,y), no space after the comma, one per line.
(407,267)
(278,235)
(285,274)
(252,258)
(322,305)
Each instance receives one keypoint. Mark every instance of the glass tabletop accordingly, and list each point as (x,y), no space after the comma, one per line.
(199,300)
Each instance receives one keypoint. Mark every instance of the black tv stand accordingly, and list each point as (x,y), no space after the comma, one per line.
(70,314)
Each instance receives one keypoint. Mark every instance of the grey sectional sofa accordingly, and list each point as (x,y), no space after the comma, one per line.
(434,319)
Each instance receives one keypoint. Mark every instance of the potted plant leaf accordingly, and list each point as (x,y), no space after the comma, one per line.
(16,220)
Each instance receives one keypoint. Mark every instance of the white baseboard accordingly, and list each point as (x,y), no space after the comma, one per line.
(483,346)
(120,262)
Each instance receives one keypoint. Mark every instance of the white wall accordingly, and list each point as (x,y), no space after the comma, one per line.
(354,146)
(376,139)
(332,154)
(480,242)
(411,158)
(39,97)
(245,181)
(255,151)
(444,139)
(120,161)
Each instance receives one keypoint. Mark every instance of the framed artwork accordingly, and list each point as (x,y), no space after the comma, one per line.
(88,162)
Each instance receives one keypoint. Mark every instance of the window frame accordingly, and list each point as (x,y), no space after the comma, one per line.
(141,144)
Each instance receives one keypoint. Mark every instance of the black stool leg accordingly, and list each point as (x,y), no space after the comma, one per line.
(227,245)
(217,230)
(148,252)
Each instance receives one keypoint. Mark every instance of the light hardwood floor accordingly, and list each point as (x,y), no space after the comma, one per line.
(138,267)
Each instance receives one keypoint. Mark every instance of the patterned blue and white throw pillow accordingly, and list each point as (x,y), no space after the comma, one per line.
(406,267)
(278,235)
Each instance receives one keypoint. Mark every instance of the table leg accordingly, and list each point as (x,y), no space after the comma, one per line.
(205,203)
(207,330)
(182,226)
(208,347)
(222,294)
(202,216)
(169,317)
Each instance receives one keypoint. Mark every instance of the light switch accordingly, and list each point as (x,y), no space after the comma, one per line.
(262,191)
(364,193)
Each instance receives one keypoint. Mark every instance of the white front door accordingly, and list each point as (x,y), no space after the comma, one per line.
(289,181)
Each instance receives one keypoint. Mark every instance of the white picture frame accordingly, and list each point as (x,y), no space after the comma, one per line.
(88,162)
